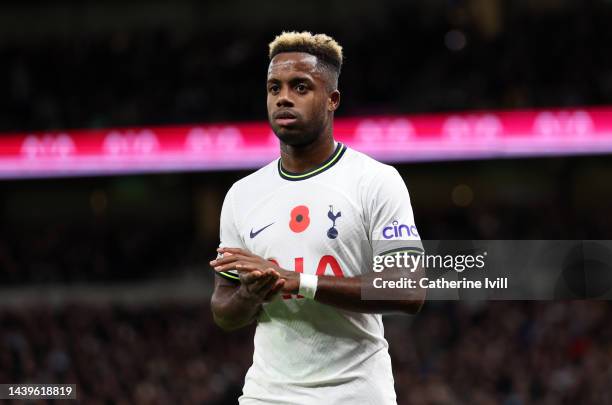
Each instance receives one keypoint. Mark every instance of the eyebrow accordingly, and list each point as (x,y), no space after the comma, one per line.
(293,80)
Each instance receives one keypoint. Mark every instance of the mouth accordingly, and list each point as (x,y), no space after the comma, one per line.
(285,122)
(285,118)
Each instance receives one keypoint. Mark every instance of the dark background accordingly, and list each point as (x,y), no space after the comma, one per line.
(104,280)
(74,64)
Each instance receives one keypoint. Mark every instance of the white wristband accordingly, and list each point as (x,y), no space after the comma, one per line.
(308,285)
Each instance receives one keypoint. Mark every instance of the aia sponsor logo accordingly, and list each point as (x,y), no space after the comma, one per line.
(327,264)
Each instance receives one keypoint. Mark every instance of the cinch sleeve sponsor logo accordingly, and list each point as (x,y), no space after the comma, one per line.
(397,230)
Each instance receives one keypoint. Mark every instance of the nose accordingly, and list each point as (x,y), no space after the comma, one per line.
(283,99)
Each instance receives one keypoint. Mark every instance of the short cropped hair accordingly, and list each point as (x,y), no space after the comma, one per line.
(324,47)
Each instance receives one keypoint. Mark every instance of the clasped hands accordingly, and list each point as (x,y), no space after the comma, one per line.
(260,279)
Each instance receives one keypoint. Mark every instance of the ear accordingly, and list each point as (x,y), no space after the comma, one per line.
(333,101)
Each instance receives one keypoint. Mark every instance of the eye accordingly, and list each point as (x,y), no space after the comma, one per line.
(273,88)
(301,88)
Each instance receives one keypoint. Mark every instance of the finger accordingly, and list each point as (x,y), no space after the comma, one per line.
(236,266)
(250,277)
(227,259)
(264,284)
(220,255)
(275,289)
(241,265)
(232,259)
(248,266)
(254,275)
(223,260)
(267,273)
(260,286)
(236,251)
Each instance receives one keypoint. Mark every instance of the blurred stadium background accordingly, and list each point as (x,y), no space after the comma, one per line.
(104,279)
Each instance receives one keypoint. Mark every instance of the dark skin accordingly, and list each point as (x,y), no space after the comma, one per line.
(298,86)
(301,102)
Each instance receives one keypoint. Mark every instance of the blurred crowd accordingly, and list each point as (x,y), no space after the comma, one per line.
(509,353)
(154,355)
(404,61)
(74,253)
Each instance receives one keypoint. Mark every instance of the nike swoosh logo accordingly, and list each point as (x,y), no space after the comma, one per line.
(254,234)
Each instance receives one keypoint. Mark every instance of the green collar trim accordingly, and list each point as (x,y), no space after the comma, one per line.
(332,160)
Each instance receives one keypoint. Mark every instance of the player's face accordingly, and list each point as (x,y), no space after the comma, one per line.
(298,98)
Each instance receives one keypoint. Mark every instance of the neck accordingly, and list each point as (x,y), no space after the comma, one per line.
(301,159)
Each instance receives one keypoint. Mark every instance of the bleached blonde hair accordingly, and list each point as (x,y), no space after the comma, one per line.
(319,45)
(324,47)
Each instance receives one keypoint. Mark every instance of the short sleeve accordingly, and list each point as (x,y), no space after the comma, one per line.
(391,223)
(228,232)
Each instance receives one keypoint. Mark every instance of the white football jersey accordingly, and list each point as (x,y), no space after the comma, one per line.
(318,222)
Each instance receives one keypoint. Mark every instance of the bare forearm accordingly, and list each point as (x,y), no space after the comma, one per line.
(346,293)
(233,310)
(236,306)
(351,293)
